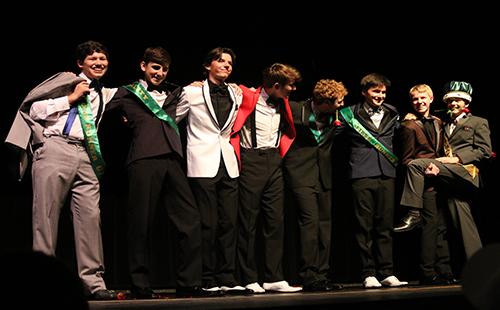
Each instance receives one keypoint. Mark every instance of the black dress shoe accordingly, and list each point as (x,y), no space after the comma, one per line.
(196,291)
(433,280)
(449,278)
(142,293)
(103,295)
(410,221)
(321,286)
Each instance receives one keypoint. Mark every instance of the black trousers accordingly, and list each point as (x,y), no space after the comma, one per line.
(315,224)
(261,192)
(157,182)
(217,200)
(373,201)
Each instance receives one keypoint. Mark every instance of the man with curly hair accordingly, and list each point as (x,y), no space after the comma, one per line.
(308,175)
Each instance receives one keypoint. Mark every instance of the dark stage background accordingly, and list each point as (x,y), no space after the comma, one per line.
(419,45)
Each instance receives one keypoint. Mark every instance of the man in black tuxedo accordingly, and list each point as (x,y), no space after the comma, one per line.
(156,177)
(308,174)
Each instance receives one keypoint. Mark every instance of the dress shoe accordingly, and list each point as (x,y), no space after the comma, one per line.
(103,295)
(280,287)
(255,288)
(321,286)
(411,220)
(142,293)
(196,291)
(392,281)
(449,278)
(371,282)
(236,290)
(433,280)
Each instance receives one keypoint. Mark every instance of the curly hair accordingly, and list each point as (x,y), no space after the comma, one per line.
(328,90)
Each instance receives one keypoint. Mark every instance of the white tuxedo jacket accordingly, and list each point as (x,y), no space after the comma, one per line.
(206,138)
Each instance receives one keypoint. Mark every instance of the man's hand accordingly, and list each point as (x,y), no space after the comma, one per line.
(81,89)
(236,88)
(431,170)
(448,160)
(196,84)
(410,117)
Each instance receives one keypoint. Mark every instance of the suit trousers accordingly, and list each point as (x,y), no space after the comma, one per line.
(373,200)
(155,182)
(217,200)
(434,250)
(455,182)
(62,168)
(315,225)
(261,192)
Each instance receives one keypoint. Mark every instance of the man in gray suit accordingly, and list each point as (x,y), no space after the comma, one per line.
(467,144)
(61,116)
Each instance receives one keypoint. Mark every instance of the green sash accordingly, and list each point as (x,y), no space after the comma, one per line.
(91,139)
(141,93)
(356,125)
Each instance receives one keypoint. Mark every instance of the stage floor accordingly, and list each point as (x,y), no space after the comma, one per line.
(406,298)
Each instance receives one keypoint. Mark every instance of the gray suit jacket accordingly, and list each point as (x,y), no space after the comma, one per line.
(26,132)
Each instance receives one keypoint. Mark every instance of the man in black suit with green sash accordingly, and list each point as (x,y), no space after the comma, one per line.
(156,177)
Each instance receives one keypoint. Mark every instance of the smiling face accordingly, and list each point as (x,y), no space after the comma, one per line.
(421,102)
(154,73)
(375,95)
(94,66)
(220,69)
(456,106)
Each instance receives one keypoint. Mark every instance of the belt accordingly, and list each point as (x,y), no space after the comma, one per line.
(69,140)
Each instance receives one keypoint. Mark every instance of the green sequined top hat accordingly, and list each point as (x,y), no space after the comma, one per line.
(458,89)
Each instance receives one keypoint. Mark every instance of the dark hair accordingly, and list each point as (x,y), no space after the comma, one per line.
(216,54)
(88,48)
(158,55)
(374,79)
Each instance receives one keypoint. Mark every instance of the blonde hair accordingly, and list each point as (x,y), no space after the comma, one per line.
(421,88)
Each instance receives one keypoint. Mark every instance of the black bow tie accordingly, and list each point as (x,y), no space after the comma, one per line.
(159,88)
(275,102)
(218,89)
(372,111)
(96,85)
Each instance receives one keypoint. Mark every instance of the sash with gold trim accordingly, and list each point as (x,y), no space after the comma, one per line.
(356,125)
(91,139)
(143,95)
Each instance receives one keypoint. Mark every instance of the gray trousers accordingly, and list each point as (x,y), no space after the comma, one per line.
(452,178)
(62,169)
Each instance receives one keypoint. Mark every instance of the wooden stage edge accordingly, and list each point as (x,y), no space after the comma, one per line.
(353,295)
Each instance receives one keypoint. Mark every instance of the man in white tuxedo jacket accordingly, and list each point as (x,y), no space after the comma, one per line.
(212,167)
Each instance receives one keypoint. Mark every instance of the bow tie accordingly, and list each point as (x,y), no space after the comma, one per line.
(96,85)
(159,88)
(218,89)
(372,111)
(274,102)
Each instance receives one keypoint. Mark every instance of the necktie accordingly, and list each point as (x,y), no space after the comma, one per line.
(97,86)
(71,118)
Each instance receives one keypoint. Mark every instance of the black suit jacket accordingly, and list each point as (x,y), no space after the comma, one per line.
(151,136)
(307,160)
